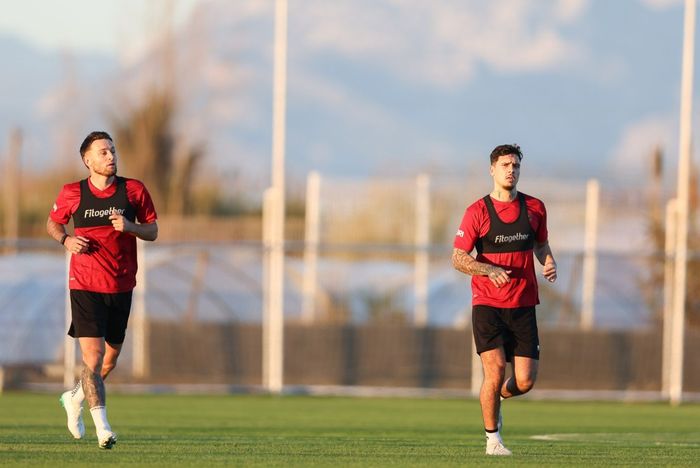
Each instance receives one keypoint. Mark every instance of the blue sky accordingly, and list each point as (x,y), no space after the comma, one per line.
(587,87)
(85,25)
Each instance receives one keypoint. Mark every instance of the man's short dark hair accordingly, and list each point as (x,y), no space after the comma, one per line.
(505,150)
(93,136)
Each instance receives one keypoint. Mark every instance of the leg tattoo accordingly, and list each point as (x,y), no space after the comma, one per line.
(94,388)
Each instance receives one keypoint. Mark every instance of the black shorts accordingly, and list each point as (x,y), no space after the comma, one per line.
(514,329)
(99,315)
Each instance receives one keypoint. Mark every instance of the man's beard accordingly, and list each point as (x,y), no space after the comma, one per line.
(510,185)
(107,172)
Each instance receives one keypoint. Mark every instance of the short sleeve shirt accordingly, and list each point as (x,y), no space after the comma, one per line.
(110,265)
(522,290)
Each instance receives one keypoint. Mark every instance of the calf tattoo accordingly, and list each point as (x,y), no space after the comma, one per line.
(93,387)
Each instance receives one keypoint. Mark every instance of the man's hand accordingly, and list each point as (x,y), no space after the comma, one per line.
(77,244)
(465,263)
(498,276)
(550,271)
(119,222)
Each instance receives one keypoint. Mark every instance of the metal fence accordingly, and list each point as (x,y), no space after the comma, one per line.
(370,299)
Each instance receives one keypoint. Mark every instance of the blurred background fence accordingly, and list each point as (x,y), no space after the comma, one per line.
(370,296)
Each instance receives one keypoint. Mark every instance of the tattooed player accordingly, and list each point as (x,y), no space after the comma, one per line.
(109,213)
(507,228)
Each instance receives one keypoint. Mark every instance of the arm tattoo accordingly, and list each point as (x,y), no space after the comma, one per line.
(93,387)
(465,263)
(542,251)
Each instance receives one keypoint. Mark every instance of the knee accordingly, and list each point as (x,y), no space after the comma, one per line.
(495,373)
(526,384)
(109,363)
(93,359)
(108,366)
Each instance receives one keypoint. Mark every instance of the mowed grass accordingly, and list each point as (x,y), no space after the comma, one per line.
(247,430)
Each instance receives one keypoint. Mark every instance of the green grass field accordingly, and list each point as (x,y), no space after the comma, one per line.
(249,430)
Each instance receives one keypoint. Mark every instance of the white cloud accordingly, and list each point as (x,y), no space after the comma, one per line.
(631,155)
(108,26)
(661,4)
(570,10)
(445,42)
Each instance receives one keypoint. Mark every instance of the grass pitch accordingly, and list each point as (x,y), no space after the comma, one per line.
(237,430)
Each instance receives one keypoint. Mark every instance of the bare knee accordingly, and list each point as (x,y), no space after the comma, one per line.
(494,374)
(93,359)
(107,367)
(495,370)
(93,352)
(110,362)
(524,376)
(110,359)
(525,385)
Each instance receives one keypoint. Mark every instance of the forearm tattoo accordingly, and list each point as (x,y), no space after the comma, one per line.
(465,263)
(93,387)
(542,251)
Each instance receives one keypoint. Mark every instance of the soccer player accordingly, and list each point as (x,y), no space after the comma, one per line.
(109,213)
(506,227)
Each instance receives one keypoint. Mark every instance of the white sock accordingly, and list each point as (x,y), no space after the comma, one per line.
(99,416)
(77,394)
(494,437)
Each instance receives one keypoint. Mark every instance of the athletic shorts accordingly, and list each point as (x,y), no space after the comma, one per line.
(514,329)
(99,315)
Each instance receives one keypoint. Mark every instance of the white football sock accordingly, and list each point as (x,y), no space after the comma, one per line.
(77,394)
(494,437)
(99,416)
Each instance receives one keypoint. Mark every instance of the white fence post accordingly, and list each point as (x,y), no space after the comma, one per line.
(422,242)
(590,259)
(140,365)
(273,319)
(685,149)
(273,215)
(669,250)
(68,341)
(311,242)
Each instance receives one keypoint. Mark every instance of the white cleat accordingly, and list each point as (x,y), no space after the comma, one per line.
(106,439)
(497,448)
(74,414)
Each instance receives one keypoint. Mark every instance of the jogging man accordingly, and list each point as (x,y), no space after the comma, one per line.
(506,227)
(109,213)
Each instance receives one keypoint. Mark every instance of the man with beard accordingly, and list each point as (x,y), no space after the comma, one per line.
(506,227)
(109,213)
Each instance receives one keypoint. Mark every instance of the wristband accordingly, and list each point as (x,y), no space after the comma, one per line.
(63,239)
